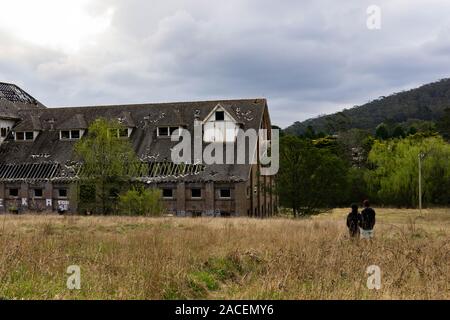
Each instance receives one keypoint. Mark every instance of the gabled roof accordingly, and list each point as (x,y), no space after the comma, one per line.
(144,118)
(29,123)
(77,121)
(219,106)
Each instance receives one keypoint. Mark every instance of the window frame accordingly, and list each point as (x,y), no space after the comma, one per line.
(24,135)
(197,189)
(225,189)
(165,196)
(170,130)
(70,136)
(41,193)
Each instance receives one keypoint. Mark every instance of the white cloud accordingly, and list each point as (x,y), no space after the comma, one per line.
(61,25)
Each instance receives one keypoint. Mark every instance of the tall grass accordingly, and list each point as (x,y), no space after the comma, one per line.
(175,258)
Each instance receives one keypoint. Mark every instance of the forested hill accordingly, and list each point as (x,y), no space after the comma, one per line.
(424,103)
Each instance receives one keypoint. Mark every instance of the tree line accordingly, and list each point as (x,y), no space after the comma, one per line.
(319,172)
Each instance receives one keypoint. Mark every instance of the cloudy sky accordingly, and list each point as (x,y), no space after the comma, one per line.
(306,57)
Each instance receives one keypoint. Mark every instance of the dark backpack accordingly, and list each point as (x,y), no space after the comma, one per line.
(353,220)
(367,218)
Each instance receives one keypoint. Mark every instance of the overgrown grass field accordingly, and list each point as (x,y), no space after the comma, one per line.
(213,258)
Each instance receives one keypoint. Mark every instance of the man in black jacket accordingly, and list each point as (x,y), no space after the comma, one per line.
(353,221)
(367,221)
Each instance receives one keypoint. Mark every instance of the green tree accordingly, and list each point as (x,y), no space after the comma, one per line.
(412,131)
(444,124)
(394,180)
(310,133)
(382,132)
(108,163)
(310,179)
(398,132)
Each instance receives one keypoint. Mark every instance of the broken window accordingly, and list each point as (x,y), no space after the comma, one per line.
(163,131)
(13,192)
(37,193)
(166,131)
(167,193)
(75,134)
(225,193)
(70,134)
(65,134)
(29,135)
(196,193)
(62,193)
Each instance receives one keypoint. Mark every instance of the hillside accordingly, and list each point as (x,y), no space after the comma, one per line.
(424,103)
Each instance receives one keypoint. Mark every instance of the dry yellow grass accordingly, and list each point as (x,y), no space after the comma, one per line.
(240,258)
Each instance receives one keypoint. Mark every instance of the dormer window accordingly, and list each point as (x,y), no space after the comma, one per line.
(120,133)
(24,136)
(70,134)
(166,131)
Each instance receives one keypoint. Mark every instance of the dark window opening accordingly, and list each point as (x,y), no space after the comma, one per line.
(20,136)
(75,134)
(123,133)
(163,131)
(225,193)
(62,193)
(65,134)
(29,135)
(14,192)
(38,193)
(220,116)
(196,193)
(3,132)
(167,193)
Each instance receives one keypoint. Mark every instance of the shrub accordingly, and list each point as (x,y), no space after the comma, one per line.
(142,202)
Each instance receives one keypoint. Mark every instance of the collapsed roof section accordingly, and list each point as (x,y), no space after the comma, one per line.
(13,100)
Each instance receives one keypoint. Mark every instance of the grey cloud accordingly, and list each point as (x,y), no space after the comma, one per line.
(306,57)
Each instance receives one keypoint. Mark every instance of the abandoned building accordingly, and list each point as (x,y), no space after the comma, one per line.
(36,154)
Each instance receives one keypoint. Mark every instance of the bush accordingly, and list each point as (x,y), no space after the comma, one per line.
(142,202)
